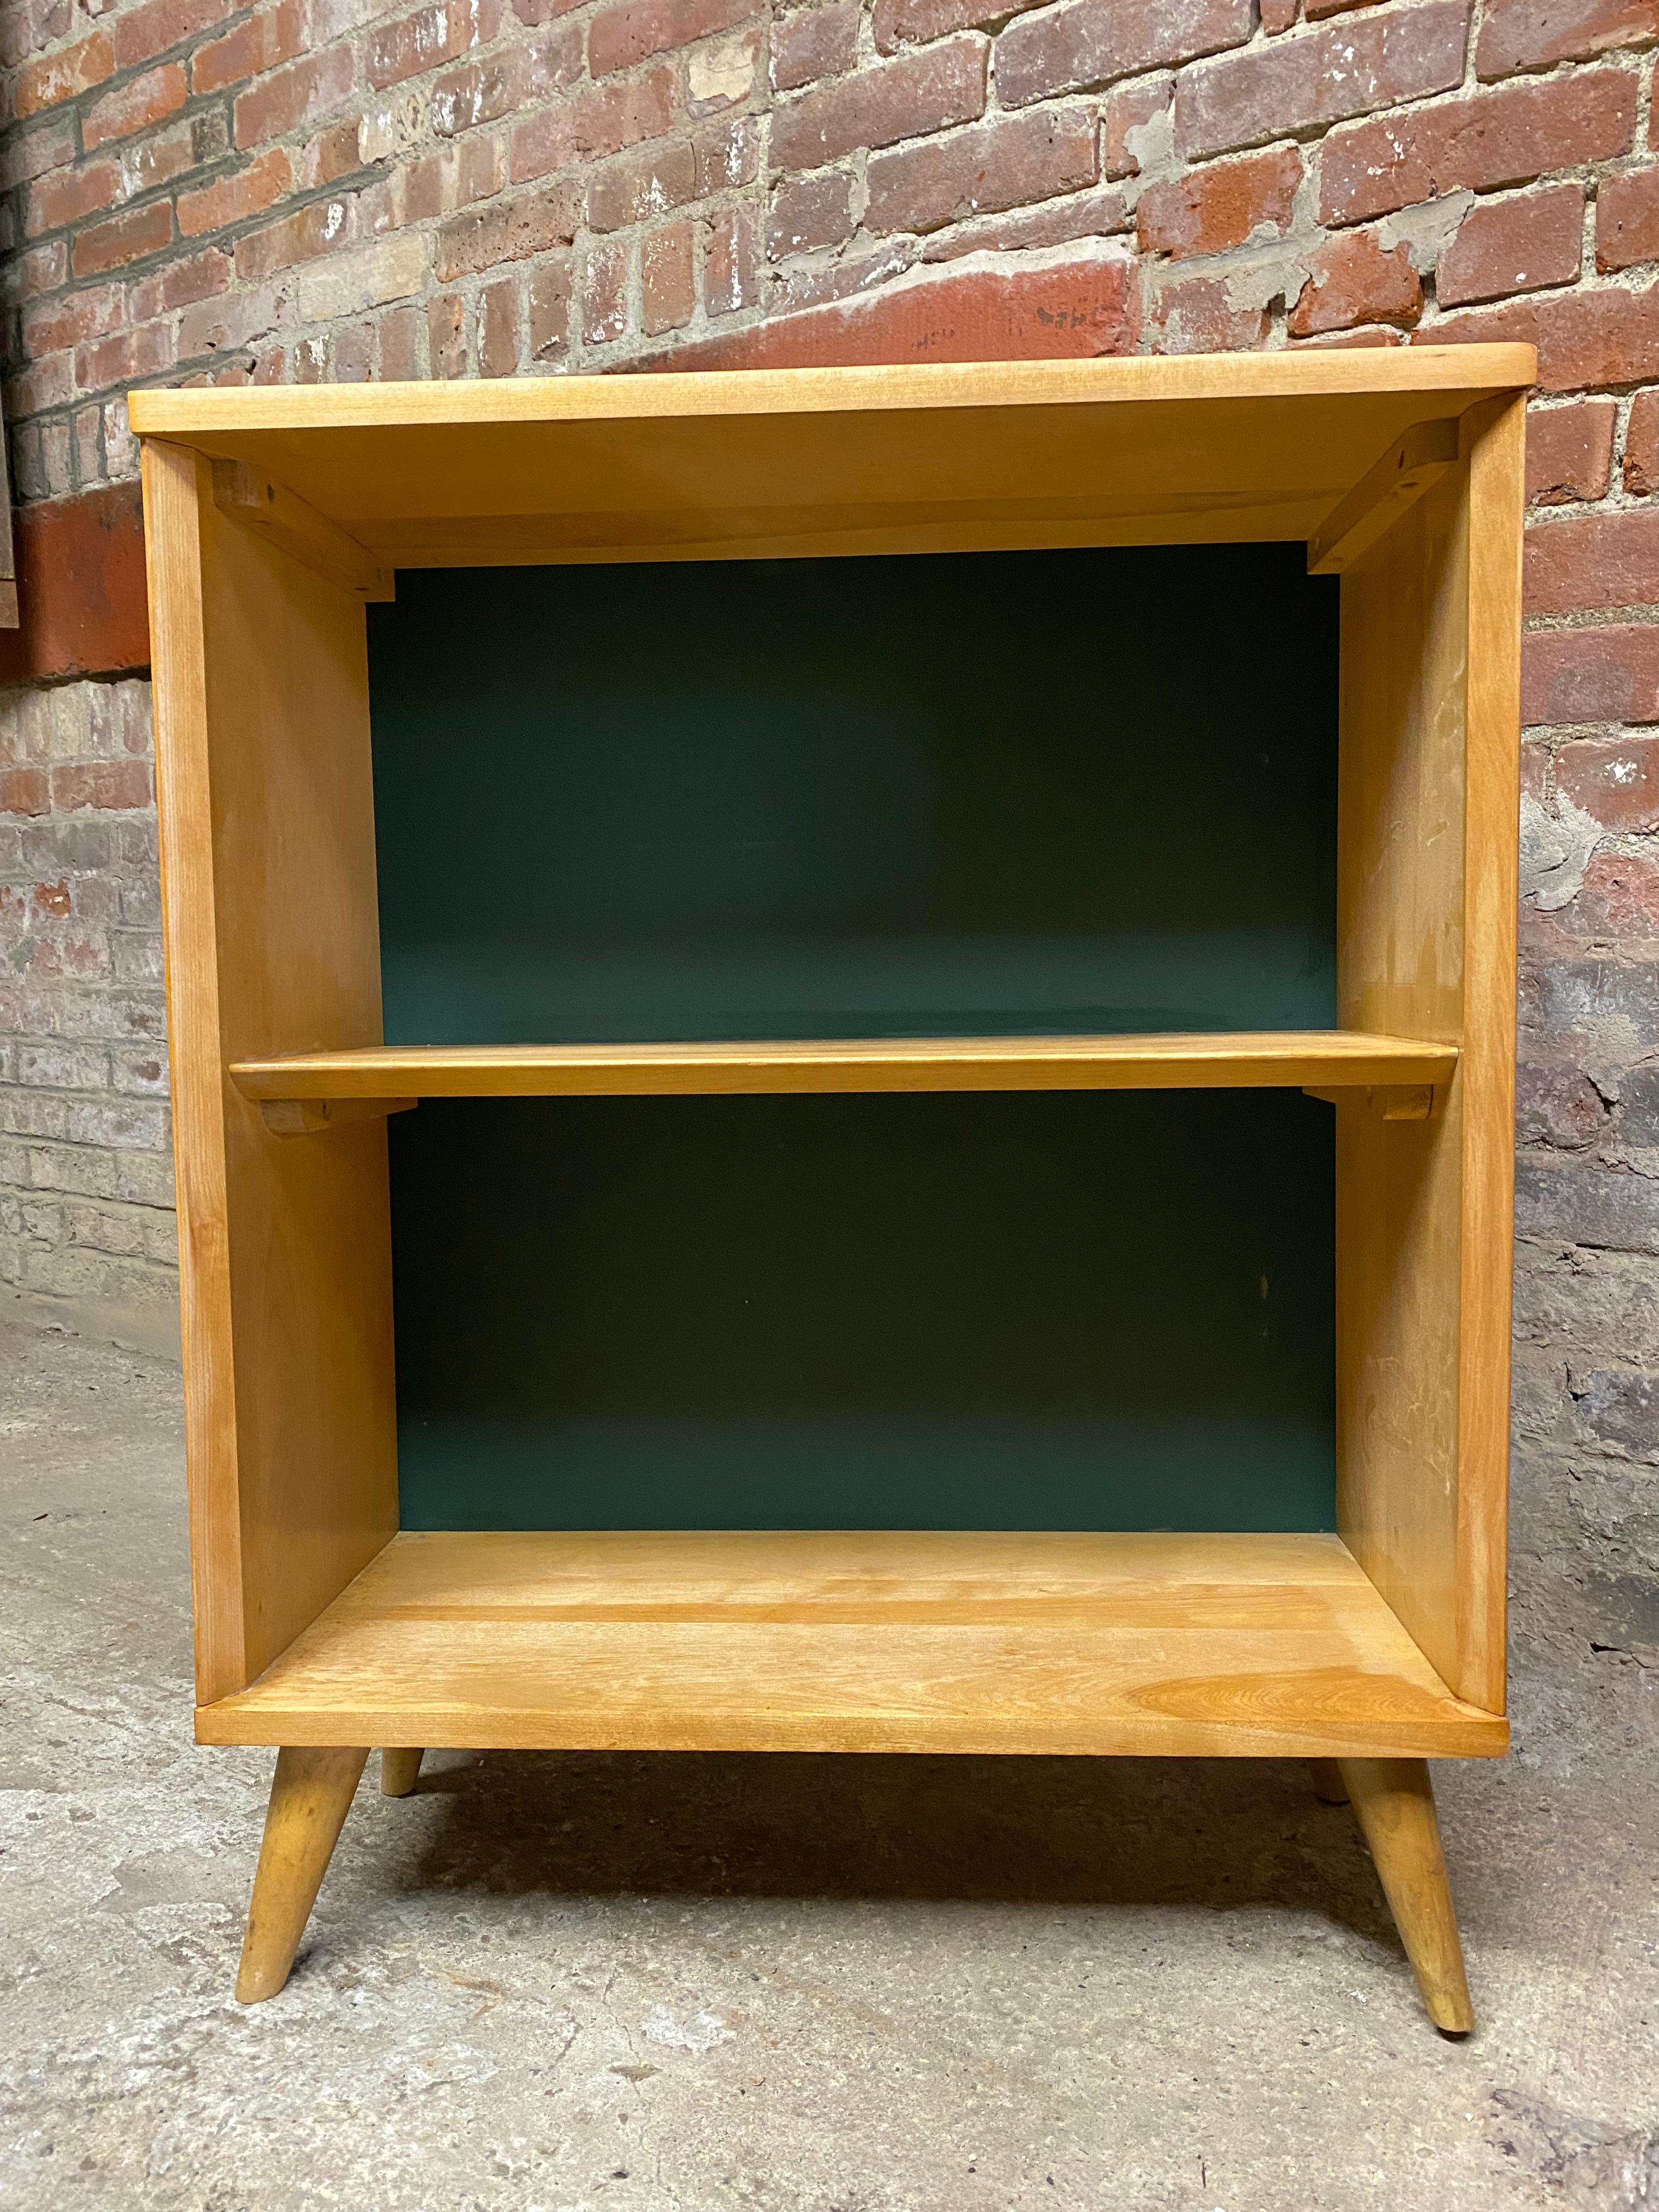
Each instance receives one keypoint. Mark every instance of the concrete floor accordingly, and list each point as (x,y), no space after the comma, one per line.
(781,1985)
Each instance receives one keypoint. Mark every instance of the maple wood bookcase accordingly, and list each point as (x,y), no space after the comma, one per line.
(1292,1542)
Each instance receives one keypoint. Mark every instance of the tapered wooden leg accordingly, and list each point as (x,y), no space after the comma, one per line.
(1394,1803)
(1327,1782)
(399,1771)
(310,1796)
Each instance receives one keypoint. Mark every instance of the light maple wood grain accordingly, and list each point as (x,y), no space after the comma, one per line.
(1405,472)
(1233,1060)
(918,458)
(1427,802)
(269,924)
(1267,1646)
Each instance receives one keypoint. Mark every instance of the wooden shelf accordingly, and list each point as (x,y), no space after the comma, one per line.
(924,458)
(806,1640)
(1326,1059)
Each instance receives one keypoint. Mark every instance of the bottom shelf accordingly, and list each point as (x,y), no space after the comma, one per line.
(1196,1645)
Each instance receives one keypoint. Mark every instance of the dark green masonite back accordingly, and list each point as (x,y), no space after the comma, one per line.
(1052,792)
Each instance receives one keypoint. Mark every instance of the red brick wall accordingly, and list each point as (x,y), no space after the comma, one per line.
(334,189)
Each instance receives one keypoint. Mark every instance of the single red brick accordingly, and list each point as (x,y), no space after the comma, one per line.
(135,106)
(400,331)
(896,24)
(1585,340)
(1568,451)
(1521,243)
(124,238)
(480,169)
(1128,117)
(629,30)
(1529,34)
(62,76)
(1194,314)
(1098,214)
(1507,137)
(51,325)
(637,187)
(927,91)
(1619,899)
(550,290)
(509,230)
(1277,15)
(67,196)
(292,97)
(1627,220)
(1641,446)
(261,42)
(1220,205)
(332,153)
(445,330)
(323,227)
(479,92)
(1583,562)
(110,784)
(1091,42)
(1008,163)
(158,158)
(810,212)
(809,43)
(119,358)
(498,328)
(1613,779)
(595,120)
(667,280)
(604,295)
(233,198)
(1353,279)
(731,262)
(727,154)
(25,791)
(1302,84)
(441,33)
(156,25)
(1591,675)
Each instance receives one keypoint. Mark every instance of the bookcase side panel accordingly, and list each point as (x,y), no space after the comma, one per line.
(305,1221)
(1496,436)
(173,543)
(1401,968)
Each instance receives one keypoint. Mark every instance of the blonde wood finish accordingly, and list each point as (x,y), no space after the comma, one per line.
(1409,1102)
(248,495)
(1285,1058)
(400,1769)
(269,922)
(1394,1801)
(1377,502)
(310,1796)
(921,458)
(1428,805)
(1328,1786)
(309,1117)
(1269,1646)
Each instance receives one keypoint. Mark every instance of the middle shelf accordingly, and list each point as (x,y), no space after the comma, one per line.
(1225,1060)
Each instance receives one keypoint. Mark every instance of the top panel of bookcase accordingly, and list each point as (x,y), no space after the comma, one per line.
(914,459)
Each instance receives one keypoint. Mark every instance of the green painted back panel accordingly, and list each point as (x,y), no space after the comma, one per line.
(1045,792)
(976,793)
(1029,1311)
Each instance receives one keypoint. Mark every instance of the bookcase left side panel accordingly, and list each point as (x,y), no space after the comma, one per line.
(266,799)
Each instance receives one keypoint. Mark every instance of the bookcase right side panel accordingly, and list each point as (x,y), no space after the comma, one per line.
(1426,948)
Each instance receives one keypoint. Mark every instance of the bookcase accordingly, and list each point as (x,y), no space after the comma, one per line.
(843,1055)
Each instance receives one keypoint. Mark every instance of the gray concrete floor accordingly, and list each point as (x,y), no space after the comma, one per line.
(781,1985)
